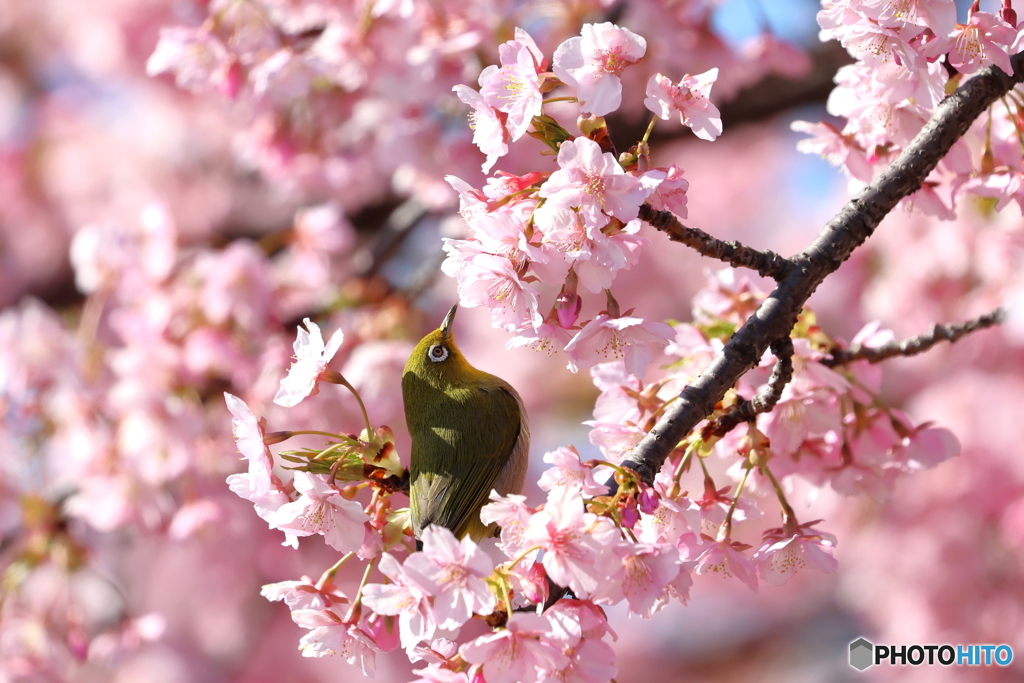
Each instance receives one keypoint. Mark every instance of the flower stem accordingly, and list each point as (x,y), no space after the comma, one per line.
(329,574)
(338,378)
(357,604)
(559,99)
(343,437)
(650,129)
(788,516)
(727,525)
(523,556)
(678,474)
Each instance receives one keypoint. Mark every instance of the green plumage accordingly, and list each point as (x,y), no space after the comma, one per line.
(469,435)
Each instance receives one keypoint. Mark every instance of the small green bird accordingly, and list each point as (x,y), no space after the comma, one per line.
(469,435)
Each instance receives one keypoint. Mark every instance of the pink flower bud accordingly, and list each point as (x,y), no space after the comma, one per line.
(630,514)
(649,500)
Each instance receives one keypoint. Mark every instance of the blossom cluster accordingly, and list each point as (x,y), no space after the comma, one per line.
(575,227)
(902,50)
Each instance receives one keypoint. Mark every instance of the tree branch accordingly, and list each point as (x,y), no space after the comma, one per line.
(914,345)
(764,401)
(833,245)
(766,263)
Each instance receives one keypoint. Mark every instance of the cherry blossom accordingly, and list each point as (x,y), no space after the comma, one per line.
(249,435)
(593,63)
(455,572)
(197,58)
(266,504)
(689,99)
(329,635)
(670,193)
(489,132)
(514,654)
(577,544)
(593,182)
(321,509)
(782,553)
(642,579)
(629,338)
(722,558)
(406,597)
(568,472)
(491,281)
(311,359)
(511,514)
(514,87)
(983,40)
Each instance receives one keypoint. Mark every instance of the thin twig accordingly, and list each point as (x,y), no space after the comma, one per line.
(833,245)
(914,345)
(764,401)
(766,263)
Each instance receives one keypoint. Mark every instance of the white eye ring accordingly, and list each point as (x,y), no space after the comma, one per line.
(437,353)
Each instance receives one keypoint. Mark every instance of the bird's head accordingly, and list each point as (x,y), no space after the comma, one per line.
(437,360)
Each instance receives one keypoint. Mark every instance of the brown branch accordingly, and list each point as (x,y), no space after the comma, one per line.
(764,401)
(766,263)
(914,345)
(833,245)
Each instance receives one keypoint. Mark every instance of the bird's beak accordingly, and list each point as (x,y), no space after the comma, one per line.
(446,326)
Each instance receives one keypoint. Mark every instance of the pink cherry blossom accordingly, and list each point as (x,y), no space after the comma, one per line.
(455,571)
(670,193)
(593,63)
(927,446)
(642,579)
(329,635)
(577,544)
(492,281)
(547,338)
(266,504)
(249,433)
(629,338)
(514,87)
(515,653)
(567,471)
(594,182)
(407,597)
(437,673)
(511,514)
(673,517)
(689,99)
(869,41)
(311,359)
(302,595)
(983,40)
(198,59)
(836,148)
(489,132)
(938,15)
(321,509)
(721,558)
(782,553)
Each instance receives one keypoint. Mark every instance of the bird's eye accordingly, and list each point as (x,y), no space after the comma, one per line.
(437,353)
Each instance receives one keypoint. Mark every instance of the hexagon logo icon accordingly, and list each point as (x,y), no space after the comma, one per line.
(861,654)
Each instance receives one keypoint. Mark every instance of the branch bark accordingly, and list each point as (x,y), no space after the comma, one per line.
(833,245)
(914,345)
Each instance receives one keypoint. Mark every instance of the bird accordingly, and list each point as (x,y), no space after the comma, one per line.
(469,435)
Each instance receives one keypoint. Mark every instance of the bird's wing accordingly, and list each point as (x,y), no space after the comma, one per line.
(474,439)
